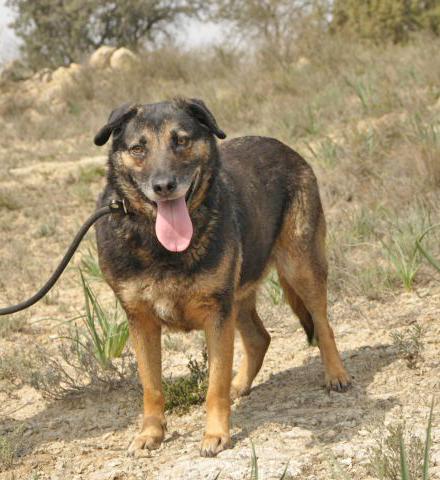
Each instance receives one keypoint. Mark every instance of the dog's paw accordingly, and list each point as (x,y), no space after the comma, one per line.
(151,436)
(145,441)
(238,390)
(338,382)
(214,444)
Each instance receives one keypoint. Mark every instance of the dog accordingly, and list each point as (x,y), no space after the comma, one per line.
(204,224)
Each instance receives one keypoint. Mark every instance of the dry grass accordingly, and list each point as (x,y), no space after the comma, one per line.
(366,117)
(410,345)
(11,444)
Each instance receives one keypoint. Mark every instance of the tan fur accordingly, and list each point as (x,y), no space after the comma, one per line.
(302,267)
(178,303)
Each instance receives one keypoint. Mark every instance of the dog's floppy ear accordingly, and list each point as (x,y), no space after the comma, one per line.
(118,116)
(199,110)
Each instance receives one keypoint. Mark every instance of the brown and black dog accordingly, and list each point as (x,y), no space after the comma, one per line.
(204,225)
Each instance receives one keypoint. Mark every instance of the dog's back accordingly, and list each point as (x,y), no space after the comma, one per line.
(266,178)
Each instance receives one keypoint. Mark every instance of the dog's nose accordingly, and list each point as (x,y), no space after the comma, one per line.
(164,185)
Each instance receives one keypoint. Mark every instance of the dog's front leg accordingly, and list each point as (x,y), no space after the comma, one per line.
(145,334)
(220,341)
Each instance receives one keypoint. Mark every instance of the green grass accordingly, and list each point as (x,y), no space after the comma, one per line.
(273,289)
(405,260)
(410,345)
(183,392)
(10,445)
(404,464)
(10,324)
(91,174)
(363,89)
(254,474)
(401,456)
(108,332)
(8,201)
(424,251)
(89,263)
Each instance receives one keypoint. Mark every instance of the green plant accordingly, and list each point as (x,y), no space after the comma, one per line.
(90,264)
(87,358)
(254,475)
(364,91)
(73,369)
(435,263)
(91,174)
(10,446)
(47,229)
(410,345)
(12,324)
(399,456)
(273,289)
(404,465)
(183,392)
(107,332)
(173,343)
(67,32)
(90,357)
(388,20)
(425,135)
(405,260)
(8,201)
(327,153)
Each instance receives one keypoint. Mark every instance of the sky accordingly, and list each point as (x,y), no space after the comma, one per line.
(196,33)
(8,41)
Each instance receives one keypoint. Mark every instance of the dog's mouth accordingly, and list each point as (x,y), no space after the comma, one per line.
(174,228)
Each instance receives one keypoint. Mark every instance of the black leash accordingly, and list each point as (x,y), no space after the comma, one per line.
(113,207)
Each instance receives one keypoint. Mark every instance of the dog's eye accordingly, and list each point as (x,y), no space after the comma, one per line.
(182,141)
(137,150)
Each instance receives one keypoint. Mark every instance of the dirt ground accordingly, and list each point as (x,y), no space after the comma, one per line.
(288,416)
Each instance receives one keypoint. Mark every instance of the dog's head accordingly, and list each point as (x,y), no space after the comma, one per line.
(162,159)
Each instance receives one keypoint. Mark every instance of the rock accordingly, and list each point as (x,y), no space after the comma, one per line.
(123,59)
(100,58)
(302,63)
(343,450)
(15,71)
(43,76)
(53,93)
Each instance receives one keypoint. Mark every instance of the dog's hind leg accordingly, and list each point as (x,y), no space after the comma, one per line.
(302,268)
(255,340)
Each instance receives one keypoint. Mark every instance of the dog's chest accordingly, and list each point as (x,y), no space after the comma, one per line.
(167,300)
(171,302)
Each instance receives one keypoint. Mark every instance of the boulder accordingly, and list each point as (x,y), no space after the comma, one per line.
(100,58)
(123,59)
(53,93)
(66,76)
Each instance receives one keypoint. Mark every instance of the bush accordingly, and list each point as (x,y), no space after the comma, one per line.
(382,20)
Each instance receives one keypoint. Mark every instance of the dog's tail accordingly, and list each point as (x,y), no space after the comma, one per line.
(309,328)
(299,309)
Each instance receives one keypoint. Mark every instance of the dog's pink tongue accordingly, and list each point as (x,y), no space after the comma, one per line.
(174,229)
